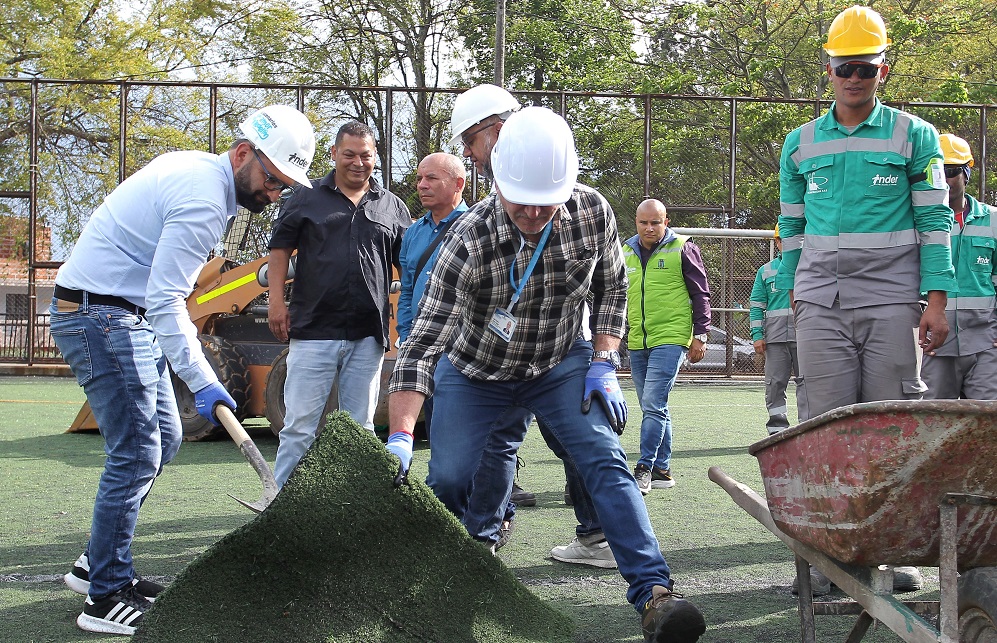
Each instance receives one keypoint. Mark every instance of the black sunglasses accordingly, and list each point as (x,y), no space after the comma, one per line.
(468,137)
(865,71)
(952,171)
(272,183)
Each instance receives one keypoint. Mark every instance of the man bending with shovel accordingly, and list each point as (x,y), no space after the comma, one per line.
(120,313)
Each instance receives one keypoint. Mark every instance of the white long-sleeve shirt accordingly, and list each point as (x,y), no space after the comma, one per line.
(148,241)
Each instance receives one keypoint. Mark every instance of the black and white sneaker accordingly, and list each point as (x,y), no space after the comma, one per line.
(119,613)
(78,580)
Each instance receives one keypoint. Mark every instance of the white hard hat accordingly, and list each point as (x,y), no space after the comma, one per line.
(477,104)
(285,136)
(534,160)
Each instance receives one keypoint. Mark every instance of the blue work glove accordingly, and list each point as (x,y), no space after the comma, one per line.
(206,399)
(601,384)
(400,444)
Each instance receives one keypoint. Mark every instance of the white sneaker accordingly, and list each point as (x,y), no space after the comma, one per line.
(591,550)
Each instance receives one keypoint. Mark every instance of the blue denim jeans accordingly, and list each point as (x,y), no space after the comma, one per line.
(654,371)
(478,427)
(116,359)
(313,366)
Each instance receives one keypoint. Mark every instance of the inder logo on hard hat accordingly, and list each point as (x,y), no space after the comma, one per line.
(294,159)
(262,124)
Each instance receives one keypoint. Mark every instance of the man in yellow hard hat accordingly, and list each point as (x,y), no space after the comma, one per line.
(865,224)
(774,335)
(965,366)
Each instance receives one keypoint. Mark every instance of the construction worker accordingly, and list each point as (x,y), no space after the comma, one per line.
(774,334)
(347,232)
(865,227)
(530,254)
(477,118)
(119,314)
(965,366)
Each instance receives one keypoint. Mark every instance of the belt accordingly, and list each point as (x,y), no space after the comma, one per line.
(77,297)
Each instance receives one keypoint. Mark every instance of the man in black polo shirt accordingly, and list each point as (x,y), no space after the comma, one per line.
(348,232)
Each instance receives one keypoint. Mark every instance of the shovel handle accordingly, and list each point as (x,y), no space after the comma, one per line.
(232,425)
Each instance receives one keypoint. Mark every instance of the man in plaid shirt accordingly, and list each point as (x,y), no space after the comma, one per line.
(502,314)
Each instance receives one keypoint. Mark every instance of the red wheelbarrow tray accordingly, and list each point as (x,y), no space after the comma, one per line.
(863,483)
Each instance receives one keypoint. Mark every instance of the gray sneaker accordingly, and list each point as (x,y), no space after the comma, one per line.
(643,477)
(907,579)
(820,585)
(590,550)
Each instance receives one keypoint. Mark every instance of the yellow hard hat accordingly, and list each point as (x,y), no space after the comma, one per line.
(776,231)
(955,150)
(856,31)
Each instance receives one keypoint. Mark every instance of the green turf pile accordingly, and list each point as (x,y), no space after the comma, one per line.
(341,555)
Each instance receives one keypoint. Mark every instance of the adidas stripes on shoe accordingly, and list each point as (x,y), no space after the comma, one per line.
(119,613)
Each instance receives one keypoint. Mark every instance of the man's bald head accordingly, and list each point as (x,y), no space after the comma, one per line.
(652,220)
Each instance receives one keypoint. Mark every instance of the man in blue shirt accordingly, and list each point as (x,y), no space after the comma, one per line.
(440,182)
(120,313)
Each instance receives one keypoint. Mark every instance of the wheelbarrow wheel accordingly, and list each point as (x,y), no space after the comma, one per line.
(978,606)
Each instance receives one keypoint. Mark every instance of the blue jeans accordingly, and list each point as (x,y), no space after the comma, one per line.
(478,427)
(313,365)
(116,359)
(654,371)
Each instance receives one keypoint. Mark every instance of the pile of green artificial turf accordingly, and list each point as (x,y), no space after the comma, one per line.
(342,555)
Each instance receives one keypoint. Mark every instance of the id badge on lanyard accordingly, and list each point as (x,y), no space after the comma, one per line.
(503,322)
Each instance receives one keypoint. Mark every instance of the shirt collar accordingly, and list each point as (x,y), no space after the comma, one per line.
(460,209)
(874,119)
(507,230)
(226,162)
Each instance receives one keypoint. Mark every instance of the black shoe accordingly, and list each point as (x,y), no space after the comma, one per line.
(568,500)
(669,618)
(119,613)
(78,580)
(522,498)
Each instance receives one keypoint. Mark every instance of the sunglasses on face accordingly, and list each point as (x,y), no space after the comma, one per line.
(865,71)
(952,171)
(272,183)
(468,137)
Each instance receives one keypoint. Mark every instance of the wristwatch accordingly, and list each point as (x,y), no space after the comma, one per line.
(613,357)
(701,337)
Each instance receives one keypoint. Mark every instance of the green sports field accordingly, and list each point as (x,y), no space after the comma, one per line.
(732,567)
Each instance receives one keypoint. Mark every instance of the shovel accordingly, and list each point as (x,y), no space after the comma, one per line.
(248,448)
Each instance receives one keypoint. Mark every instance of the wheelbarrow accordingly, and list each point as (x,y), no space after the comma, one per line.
(866,487)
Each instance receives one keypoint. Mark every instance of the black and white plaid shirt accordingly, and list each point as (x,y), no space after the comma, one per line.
(471,279)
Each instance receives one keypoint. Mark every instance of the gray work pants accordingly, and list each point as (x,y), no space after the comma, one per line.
(970,377)
(780,364)
(863,354)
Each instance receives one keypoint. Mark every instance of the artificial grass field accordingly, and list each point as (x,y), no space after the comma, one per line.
(730,566)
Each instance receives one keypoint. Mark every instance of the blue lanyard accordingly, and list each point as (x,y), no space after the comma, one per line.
(516,290)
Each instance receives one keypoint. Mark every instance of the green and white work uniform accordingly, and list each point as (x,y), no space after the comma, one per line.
(772,321)
(865,226)
(965,366)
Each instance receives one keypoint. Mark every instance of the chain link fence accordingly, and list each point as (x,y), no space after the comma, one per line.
(712,160)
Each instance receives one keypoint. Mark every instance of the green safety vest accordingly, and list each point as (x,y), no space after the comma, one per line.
(659,310)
